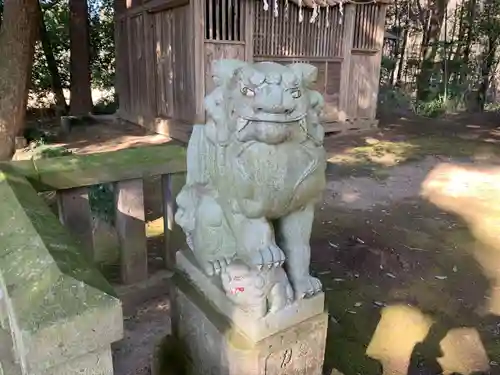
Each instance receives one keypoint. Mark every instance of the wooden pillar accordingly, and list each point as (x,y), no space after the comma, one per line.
(128,51)
(75,215)
(150,67)
(118,57)
(119,6)
(347,43)
(131,230)
(196,48)
(168,218)
(174,236)
(382,9)
(249,20)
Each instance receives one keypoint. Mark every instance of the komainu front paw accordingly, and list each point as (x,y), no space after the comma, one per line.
(306,287)
(215,267)
(267,257)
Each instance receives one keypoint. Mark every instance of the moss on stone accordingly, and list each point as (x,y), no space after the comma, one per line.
(46,275)
(83,170)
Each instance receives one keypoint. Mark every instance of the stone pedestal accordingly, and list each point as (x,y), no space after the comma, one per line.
(290,342)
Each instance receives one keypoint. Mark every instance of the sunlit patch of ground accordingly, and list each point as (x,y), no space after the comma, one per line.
(154,228)
(376,154)
(385,153)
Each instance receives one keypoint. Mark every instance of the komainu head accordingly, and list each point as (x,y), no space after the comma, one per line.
(263,102)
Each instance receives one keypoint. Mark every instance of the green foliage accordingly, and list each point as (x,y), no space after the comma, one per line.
(102,201)
(461,59)
(493,107)
(54,152)
(106,105)
(102,43)
(433,108)
(37,137)
(56,17)
(387,66)
(394,100)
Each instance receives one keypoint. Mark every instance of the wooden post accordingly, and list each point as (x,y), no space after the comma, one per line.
(131,230)
(65,125)
(150,55)
(348,38)
(197,51)
(168,218)
(174,237)
(74,214)
(20,143)
(379,42)
(249,20)
(119,55)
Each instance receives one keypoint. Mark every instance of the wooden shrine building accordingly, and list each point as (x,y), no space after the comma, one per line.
(165,48)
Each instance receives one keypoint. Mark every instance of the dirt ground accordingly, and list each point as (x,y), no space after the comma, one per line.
(405,289)
(406,292)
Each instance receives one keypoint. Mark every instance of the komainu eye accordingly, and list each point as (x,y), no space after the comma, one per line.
(247,92)
(296,93)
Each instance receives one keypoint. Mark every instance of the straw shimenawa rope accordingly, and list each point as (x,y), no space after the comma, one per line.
(316,6)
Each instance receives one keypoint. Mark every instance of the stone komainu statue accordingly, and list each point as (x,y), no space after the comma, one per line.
(254,173)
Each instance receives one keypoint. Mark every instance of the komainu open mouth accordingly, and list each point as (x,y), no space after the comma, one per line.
(277,118)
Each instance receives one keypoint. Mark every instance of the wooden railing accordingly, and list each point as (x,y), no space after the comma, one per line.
(58,312)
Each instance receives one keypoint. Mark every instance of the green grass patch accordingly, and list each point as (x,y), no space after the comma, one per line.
(375,158)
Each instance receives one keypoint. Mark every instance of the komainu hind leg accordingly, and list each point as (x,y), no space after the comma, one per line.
(295,233)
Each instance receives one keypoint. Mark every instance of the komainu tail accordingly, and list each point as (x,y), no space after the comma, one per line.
(200,157)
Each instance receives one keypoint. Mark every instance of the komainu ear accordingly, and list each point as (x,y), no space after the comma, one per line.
(317,101)
(307,72)
(223,70)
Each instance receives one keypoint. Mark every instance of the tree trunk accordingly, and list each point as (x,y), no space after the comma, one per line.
(1,13)
(61,105)
(402,51)
(17,46)
(488,62)
(81,95)
(471,15)
(395,53)
(429,47)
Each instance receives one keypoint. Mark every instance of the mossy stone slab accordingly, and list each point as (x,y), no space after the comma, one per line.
(60,307)
(67,172)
